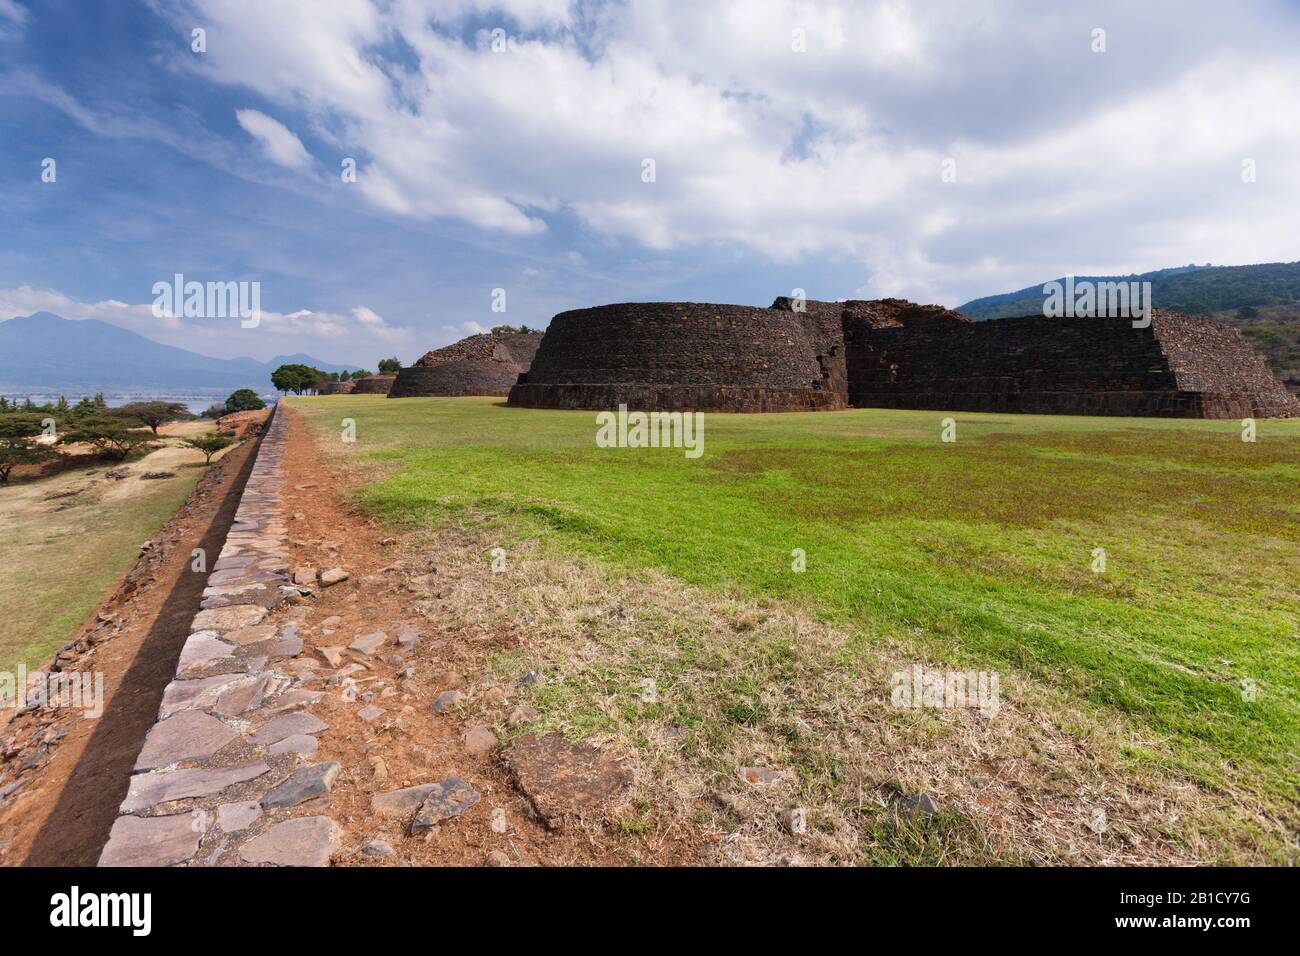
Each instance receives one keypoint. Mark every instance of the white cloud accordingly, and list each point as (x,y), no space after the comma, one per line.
(278,143)
(833,152)
(355,334)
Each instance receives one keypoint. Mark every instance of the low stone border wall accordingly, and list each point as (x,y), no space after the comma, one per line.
(225,760)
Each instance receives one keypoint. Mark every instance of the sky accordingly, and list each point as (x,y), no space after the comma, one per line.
(578,153)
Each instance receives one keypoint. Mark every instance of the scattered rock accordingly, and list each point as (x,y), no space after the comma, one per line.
(795,821)
(400,803)
(370,713)
(378,850)
(522,714)
(379,769)
(303,784)
(562,779)
(331,655)
(332,576)
(497,822)
(156,475)
(479,740)
(531,678)
(306,841)
(921,803)
(305,576)
(761,776)
(408,638)
(449,798)
(448,700)
(369,643)
(498,858)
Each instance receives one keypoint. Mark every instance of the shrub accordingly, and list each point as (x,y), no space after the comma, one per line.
(209,444)
(152,414)
(244,400)
(110,437)
(18,444)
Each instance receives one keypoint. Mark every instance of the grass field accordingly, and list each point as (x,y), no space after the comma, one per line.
(68,539)
(1175,670)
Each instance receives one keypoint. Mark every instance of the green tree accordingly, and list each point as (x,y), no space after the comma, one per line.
(389,365)
(361,373)
(244,400)
(209,444)
(110,437)
(152,414)
(18,444)
(295,377)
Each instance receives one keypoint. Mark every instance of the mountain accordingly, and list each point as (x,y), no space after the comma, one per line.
(1197,290)
(50,353)
(1261,300)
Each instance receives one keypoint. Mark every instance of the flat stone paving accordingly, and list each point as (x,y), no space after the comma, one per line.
(212,786)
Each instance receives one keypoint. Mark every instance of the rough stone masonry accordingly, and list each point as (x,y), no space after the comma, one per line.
(891,353)
(221,770)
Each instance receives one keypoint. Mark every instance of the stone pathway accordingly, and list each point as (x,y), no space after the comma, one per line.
(224,767)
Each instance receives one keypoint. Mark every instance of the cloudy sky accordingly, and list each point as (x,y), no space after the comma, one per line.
(933,150)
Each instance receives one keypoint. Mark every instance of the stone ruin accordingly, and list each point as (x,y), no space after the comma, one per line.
(486,364)
(336,388)
(373,385)
(890,353)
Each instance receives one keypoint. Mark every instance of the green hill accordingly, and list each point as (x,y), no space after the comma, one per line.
(1262,300)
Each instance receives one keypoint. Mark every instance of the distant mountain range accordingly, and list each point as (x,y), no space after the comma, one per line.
(48,353)
(1198,290)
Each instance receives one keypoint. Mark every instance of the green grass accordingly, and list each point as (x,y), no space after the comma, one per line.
(56,566)
(978,551)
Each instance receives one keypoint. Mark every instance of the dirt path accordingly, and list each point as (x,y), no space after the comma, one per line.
(395,585)
(72,770)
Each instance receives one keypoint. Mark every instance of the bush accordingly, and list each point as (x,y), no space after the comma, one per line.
(18,444)
(244,400)
(152,414)
(110,437)
(215,411)
(209,444)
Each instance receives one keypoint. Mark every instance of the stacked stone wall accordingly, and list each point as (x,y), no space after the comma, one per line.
(686,355)
(233,724)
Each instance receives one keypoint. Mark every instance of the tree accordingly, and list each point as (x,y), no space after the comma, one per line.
(110,437)
(389,365)
(152,414)
(295,378)
(209,444)
(18,444)
(361,373)
(244,400)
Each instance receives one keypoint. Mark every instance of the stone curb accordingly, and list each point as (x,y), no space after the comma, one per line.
(198,793)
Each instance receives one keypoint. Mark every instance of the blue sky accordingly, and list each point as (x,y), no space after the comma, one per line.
(796,145)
